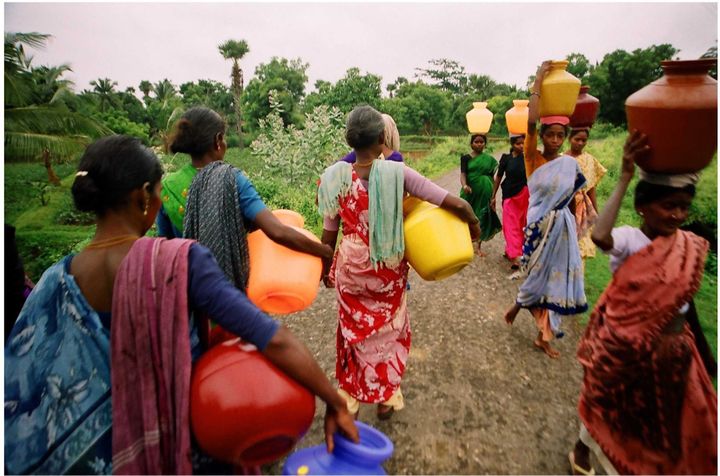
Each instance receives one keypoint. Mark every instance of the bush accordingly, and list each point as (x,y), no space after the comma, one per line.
(41,249)
(300,155)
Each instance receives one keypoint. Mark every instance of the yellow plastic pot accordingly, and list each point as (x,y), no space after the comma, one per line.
(559,91)
(437,242)
(479,118)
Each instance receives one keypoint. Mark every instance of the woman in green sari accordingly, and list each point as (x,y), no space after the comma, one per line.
(477,171)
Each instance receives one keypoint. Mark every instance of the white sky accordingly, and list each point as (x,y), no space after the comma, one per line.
(129,42)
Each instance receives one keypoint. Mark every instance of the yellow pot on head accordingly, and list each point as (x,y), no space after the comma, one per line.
(437,242)
(479,118)
(559,91)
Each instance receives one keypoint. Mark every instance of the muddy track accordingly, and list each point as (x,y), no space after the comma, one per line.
(479,397)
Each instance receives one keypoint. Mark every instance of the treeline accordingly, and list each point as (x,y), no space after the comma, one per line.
(45,115)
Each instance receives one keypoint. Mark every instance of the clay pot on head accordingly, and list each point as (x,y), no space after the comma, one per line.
(586,109)
(678,113)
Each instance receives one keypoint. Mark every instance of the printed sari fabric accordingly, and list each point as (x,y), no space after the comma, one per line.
(150,360)
(57,382)
(62,414)
(551,257)
(175,189)
(373,334)
(646,398)
(480,176)
(585,213)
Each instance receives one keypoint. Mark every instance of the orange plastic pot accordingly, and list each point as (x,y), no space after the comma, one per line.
(559,91)
(244,410)
(516,118)
(479,118)
(282,280)
(678,112)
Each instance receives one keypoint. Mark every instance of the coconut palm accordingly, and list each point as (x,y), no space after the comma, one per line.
(235,50)
(146,87)
(105,89)
(49,84)
(35,129)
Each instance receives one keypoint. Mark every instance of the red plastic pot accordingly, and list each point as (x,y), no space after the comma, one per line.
(243,409)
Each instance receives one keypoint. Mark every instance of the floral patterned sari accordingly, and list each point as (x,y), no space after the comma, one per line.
(373,334)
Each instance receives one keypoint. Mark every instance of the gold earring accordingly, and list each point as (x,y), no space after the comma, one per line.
(147,205)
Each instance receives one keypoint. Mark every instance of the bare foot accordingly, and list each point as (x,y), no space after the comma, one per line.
(512,314)
(545,347)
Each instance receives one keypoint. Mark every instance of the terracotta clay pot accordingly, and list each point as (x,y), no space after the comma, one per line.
(678,112)
(586,109)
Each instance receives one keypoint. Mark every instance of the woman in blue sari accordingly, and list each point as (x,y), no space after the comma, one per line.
(554,285)
(121,308)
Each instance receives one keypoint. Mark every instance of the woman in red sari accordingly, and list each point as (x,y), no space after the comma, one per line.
(647,404)
(369,272)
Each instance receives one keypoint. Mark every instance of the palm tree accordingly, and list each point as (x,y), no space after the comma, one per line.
(391,88)
(40,129)
(49,85)
(105,89)
(164,91)
(18,91)
(146,87)
(235,50)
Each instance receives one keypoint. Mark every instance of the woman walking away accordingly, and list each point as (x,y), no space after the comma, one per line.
(370,272)
(97,367)
(215,203)
(586,199)
(391,146)
(647,405)
(476,179)
(515,197)
(554,285)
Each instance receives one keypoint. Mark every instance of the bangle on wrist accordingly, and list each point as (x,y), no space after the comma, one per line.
(534,93)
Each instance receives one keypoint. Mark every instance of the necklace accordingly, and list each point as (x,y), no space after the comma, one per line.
(357,164)
(109,242)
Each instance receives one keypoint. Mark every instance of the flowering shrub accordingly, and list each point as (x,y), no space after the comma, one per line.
(299,156)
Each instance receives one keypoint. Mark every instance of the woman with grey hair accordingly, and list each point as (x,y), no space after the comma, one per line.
(391,145)
(369,272)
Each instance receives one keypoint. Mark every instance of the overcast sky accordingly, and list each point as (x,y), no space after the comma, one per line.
(129,42)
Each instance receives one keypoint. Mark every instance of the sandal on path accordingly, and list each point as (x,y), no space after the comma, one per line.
(577,469)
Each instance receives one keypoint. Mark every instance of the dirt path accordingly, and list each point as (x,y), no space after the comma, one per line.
(479,397)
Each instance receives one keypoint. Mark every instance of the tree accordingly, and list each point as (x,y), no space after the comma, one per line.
(208,93)
(391,89)
(48,83)
(447,74)
(146,88)
(39,130)
(235,50)
(421,108)
(105,89)
(578,65)
(620,74)
(351,90)
(288,78)
(711,53)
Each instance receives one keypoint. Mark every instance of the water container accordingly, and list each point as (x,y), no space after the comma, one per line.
(244,410)
(479,118)
(678,112)
(347,457)
(282,280)
(437,242)
(559,91)
(517,117)
(586,109)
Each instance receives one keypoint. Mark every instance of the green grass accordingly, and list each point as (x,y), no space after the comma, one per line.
(703,210)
